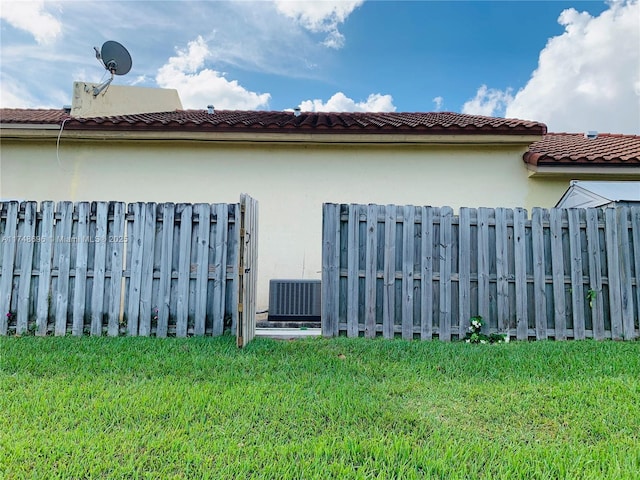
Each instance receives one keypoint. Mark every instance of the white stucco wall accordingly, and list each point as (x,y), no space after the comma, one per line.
(291,183)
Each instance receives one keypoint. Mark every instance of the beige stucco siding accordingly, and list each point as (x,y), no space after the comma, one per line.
(291,183)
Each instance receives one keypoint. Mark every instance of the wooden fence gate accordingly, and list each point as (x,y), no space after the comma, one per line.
(248,270)
(138,269)
(423,272)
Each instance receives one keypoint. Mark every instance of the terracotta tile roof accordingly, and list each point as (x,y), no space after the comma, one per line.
(32,116)
(316,122)
(573,149)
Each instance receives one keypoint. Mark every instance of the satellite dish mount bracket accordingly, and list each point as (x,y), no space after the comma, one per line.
(99,88)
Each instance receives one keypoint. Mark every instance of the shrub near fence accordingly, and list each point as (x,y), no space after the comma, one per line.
(424,272)
(141,269)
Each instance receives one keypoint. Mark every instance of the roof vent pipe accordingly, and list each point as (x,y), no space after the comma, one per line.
(296,111)
(591,135)
(210,109)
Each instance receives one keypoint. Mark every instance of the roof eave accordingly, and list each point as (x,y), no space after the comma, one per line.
(29,126)
(586,171)
(32,132)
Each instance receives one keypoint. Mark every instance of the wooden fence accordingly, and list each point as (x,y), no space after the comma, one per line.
(423,272)
(137,269)
(248,274)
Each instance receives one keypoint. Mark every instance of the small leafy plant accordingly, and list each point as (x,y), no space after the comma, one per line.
(591,296)
(475,335)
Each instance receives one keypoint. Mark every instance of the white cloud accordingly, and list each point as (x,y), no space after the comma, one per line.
(12,95)
(341,103)
(31,17)
(139,80)
(199,86)
(320,16)
(438,102)
(16,94)
(588,78)
(488,101)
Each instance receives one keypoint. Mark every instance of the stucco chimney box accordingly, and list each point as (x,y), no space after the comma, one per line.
(122,100)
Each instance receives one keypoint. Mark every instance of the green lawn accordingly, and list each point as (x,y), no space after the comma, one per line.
(341,408)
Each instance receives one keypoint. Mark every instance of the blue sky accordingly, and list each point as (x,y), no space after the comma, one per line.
(572,65)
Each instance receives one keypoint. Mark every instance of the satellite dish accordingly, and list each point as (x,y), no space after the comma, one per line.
(115,59)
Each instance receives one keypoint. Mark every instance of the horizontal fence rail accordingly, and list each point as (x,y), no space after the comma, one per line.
(423,272)
(107,267)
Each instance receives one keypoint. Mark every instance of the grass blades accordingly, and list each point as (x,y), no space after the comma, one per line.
(316,408)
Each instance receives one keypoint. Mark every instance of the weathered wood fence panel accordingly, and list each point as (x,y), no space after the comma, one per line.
(561,274)
(109,268)
(248,274)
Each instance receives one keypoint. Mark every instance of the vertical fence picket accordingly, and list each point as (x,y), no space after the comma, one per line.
(80,277)
(557,270)
(539,285)
(577,294)
(330,268)
(220,253)
(63,254)
(233,263)
(613,277)
(184,269)
(44,268)
(520,258)
(408,226)
(146,275)
(255,225)
(446,241)
(483,263)
(115,244)
(426,272)
(253,255)
(99,266)
(26,263)
(595,274)
(353,276)
(388,302)
(502,270)
(135,232)
(164,289)
(635,224)
(203,211)
(464,272)
(625,259)
(9,241)
(371,272)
